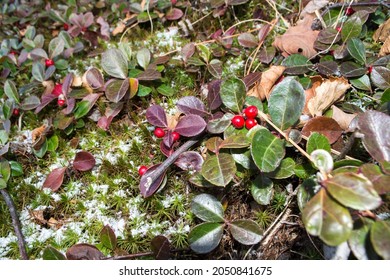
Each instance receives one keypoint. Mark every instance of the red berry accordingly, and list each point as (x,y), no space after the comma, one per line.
(349,11)
(57,91)
(61,102)
(249,123)
(142,170)
(176,136)
(49,62)
(15,112)
(159,132)
(369,69)
(338,28)
(84,29)
(238,121)
(251,112)
(66,26)
(13,52)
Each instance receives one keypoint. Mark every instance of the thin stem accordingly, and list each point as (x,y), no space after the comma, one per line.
(302,151)
(16,223)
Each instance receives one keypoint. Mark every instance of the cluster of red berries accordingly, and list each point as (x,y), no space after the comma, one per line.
(160,133)
(248,119)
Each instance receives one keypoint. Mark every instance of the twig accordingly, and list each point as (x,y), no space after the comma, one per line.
(16,223)
(130,256)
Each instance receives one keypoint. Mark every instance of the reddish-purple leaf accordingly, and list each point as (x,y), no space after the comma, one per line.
(190,161)
(251,79)
(149,75)
(166,150)
(147,185)
(161,247)
(71,102)
(174,14)
(247,40)
(187,51)
(227,40)
(168,139)
(104,122)
(84,161)
(190,125)
(190,105)
(94,78)
(104,28)
(213,97)
(67,83)
(115,89)
(156,116)
(45,99)
(84,252)
(55,178)
(215,68)
(111,111)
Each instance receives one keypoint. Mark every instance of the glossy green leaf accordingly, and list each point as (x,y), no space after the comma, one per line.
(306,192)
(114,63)
(219,169)
(207,208)
(11,91)
(235,142)
(51,253)
(359,238)
(3,184)
(165,90)
(204,52)
(380,238)
(380,77)
(42,150)
(284,170)
(262,189)
(353,190)
(143,58)
(304,171)
(324,217)
(267,150)
(233,94)
(317,141)
(362,83)
(38,72)
(246,232)
(52,143)
(296,64)
(85,105)
(286,103)
(16,168)
(30,102)
(243,157)
(322,160)
(217,126)
(350,69)
(351,28)
(205,237)
(56,47)
(3,137)
(108,238)
(143,91)
(5,170)
(357,50)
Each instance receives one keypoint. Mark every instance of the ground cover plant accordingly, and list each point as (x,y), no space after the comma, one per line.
(195,129)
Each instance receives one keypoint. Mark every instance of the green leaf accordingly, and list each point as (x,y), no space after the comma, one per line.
(31,102)
(38,72)
(215,68)
(284,170)
(362,82)
(204,52)
(207,208)
(304,171)
(286,103)
(85,105)
(114,63)
(233,94)
(56,47)
(108,238)
(3,137)
(380,77)
(16,168)
(353,190)
(11,91)
(217,126)
(317,141)
(322,160)
(143,91)
(352,28)
(297,64)
(52,143)
(205,237)
(143,58)
(42,151)
(262,189)
(243,157)
(380,181)
(219,169)
(165,90)
(357,50)
(267,150)
(5,170)
(380,238)
(3,184)
(359,238)
(324,217)
(306,192)
(51,253)
(235,142)
(246,232)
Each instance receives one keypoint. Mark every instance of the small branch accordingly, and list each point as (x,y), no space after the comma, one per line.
(16,223)
(130,256)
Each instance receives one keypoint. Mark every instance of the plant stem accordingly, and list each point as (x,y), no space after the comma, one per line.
(16,223)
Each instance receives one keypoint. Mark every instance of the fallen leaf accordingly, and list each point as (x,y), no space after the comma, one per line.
(299,38)
(324,125)
(172,120)
(313,6)
(383,32)
(263,88)
(342,118)
(326,94)
(385,49)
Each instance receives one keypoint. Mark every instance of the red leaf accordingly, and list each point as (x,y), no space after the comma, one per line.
(156,116)
(174,14)
(84,161)
(83,252)
(190,125)
(55,178)
(324,125)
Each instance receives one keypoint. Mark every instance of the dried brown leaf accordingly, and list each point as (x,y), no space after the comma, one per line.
(385,49)
(299,38)
(342,118)
(262,89)
(383,32)
(326,95)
